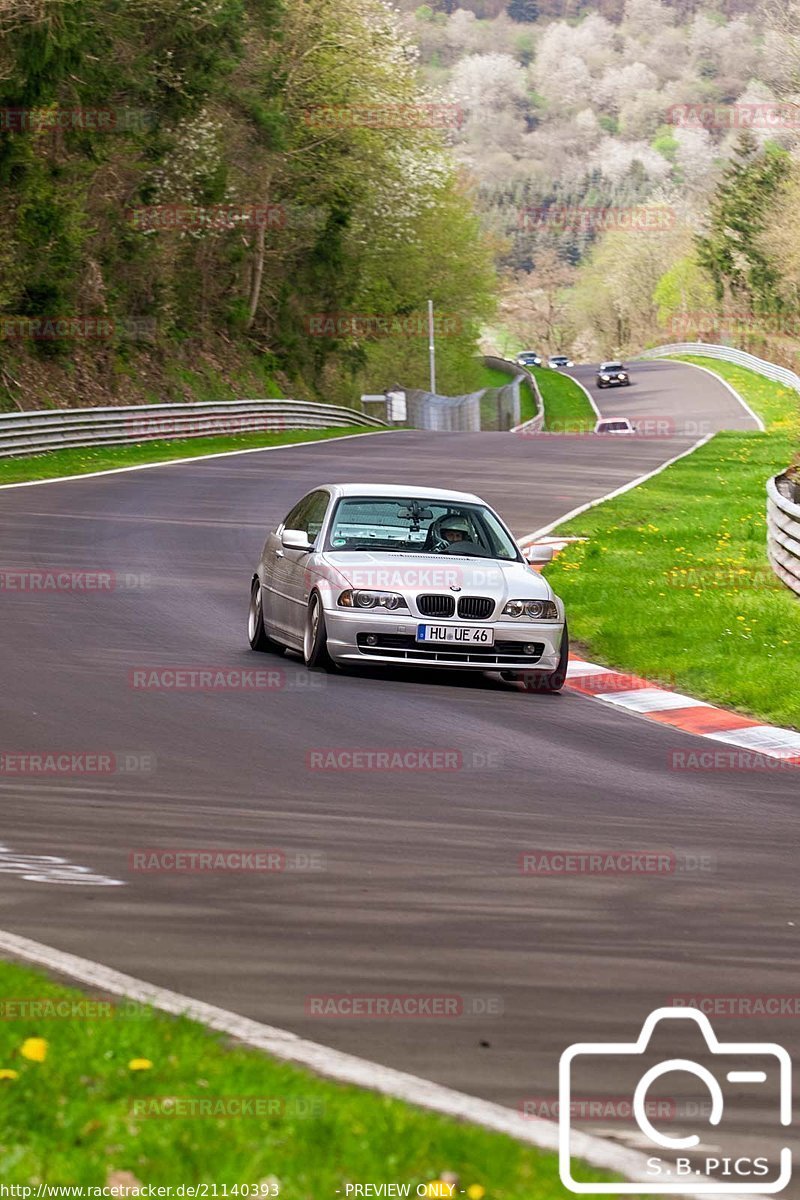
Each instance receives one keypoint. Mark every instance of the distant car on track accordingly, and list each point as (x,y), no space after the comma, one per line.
(387,575)
(559,361)
(613,374)
(528,358)
(614,425)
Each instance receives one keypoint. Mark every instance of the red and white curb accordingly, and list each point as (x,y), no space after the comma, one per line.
(647,699)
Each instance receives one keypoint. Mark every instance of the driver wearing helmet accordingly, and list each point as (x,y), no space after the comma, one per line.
(455,529)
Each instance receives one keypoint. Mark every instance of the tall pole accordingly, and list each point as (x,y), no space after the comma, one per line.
(431,347)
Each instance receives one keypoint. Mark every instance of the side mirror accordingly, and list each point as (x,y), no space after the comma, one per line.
(295,539)
(540,554)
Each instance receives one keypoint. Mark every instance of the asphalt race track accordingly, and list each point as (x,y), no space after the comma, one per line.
(421,891)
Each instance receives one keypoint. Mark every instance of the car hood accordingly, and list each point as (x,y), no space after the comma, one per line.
(417,574)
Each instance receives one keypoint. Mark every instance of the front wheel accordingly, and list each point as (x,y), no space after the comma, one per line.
(554,682)
(315,639)
(257,635)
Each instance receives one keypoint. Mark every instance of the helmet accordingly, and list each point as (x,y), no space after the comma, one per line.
(456,523)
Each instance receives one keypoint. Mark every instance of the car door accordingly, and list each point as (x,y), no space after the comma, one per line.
(297,562)
(277,569)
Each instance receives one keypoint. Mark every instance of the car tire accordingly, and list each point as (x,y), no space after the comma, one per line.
(257,635)
(555,680)
(315,639)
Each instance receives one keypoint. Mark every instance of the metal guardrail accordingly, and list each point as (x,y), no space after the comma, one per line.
(783,535)
(35,432)
(783,515)
(535,424)
(728,354)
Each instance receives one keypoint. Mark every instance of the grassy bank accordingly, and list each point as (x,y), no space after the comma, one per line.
(566,408)
(108,1094)
(674,579)
(80,461)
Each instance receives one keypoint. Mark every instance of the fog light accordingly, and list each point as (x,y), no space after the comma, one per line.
(529,648)
(371,639)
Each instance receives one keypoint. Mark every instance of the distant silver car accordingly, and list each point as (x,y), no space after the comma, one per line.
(559,361)
(391,575)
(614,425)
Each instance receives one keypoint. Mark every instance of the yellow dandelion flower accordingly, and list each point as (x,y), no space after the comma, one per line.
(7,1073)
(476,1192)
(139,1064)
(35,1049)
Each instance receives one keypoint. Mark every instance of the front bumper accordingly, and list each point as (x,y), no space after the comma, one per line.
(613,382)
(397,645)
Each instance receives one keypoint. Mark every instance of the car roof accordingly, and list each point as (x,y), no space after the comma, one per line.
(399,490)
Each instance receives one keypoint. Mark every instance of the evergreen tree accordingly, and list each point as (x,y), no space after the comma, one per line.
(523,10)
(731,252)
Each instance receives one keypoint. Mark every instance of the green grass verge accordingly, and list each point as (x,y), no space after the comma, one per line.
(78,1117)
(674,582)
(566,408)
(79,461)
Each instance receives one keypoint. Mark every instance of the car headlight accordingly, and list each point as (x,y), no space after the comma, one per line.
(622,376)
(534,610)
(605,377)
(357,598)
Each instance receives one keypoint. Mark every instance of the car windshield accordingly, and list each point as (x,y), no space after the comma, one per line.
(612,367)
(408,525)
(614,427)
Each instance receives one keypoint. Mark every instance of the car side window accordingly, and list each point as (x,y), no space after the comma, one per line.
(309,514)
(315,515)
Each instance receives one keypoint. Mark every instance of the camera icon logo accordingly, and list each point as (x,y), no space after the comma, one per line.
(680,1162)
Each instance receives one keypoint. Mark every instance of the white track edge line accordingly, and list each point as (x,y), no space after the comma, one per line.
(177,462)
(709,371)
(335,1064)
(588,394)
(527,538)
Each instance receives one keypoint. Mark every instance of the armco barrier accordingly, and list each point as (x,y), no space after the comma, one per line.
(728,354)
(35,432)
(783,535)
(783,515)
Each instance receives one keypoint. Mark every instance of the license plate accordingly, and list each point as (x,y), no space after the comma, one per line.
(465,635)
